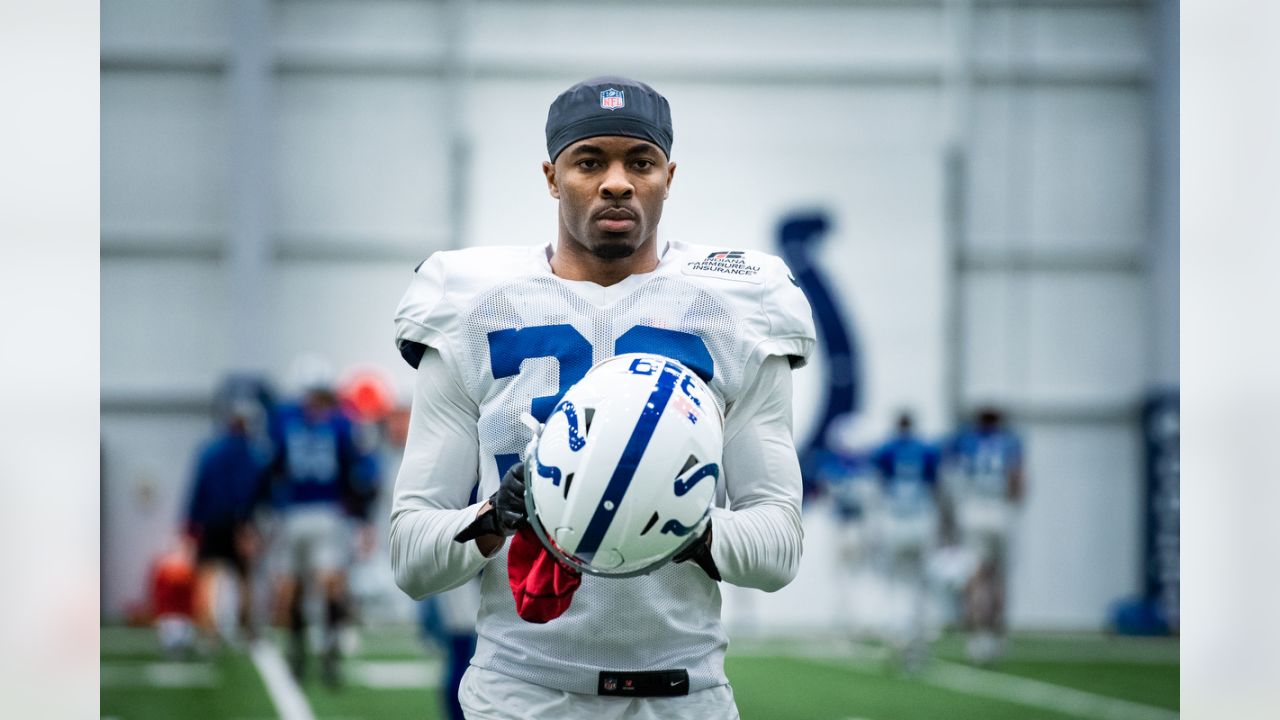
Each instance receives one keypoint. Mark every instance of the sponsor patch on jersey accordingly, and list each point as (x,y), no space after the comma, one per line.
(727,265)
(612,99)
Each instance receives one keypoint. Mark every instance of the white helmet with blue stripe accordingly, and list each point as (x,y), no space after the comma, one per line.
(623,474)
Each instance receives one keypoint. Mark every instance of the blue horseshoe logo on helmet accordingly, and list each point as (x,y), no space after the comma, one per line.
(576,442)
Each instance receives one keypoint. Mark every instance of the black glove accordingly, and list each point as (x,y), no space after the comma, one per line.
(506,512)
(700,552)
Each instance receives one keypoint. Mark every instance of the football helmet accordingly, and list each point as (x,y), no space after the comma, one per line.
(623,473)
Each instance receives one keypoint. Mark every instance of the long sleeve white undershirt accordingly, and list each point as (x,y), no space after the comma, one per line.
(756,542)
(439,469)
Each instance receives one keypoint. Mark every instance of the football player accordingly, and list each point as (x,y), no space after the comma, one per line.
(314,470)
(908,471)
(224,494)
(497,332)
(448,620)
(984,476)
(848,476)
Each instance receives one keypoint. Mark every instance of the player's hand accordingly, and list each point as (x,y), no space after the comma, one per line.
(700,553)
(504,512)
(508,501)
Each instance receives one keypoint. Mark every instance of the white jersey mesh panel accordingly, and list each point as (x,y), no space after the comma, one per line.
(669,619)
(666,620)
(662,302)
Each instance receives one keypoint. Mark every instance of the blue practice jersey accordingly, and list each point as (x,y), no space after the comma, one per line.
(315,457)
(229,480)
(908,469)
(843,475)
(366,470)
(983,460)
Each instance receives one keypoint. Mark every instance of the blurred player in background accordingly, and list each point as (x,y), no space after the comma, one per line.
(984,477)
(228,486)
(316,467)
(849,478)
(366,398)
(449,621)
(908,471)
(497,332)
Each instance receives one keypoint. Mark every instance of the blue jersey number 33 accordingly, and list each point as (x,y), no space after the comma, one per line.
(509,348)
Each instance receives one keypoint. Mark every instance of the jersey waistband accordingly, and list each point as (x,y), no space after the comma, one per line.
(702,675)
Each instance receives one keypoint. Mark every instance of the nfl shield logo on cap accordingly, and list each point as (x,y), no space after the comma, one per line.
(612,99)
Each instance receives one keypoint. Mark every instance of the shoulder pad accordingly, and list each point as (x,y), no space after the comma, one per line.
(791,330)
(441,288)
(784,324)
(419,316)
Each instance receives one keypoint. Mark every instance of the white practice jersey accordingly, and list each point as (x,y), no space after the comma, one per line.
(515,337)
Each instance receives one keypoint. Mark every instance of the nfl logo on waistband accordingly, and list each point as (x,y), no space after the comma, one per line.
(612,99)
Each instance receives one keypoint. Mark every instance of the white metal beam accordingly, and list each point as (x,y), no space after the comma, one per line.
(248,251)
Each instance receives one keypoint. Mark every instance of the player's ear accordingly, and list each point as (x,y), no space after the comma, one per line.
(549,170)
(671,173)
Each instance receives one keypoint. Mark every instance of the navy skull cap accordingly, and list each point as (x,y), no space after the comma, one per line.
(608,105)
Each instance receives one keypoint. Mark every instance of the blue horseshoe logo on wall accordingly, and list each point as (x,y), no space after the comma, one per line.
(798,235)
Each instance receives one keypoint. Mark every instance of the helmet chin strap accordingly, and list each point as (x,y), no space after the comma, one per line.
(535,431)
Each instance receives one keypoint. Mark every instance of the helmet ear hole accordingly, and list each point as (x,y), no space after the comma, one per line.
(693,460)
(649,525)
(588,415)
(568,480)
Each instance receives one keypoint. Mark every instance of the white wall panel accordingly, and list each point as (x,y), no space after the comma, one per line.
(995,352)
(1059,168)
(354,28)
(164,153)
(164,326)
(190,25)
(507,199)
(359,156)
(674,35)
(1054,339)
(996,212)
(1077,543)
(342,312)
(1085,338)
(1088,36)
(1088,170)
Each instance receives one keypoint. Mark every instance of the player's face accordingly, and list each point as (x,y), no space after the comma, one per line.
(611,191)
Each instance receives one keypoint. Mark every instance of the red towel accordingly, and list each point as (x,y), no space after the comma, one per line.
(542,585)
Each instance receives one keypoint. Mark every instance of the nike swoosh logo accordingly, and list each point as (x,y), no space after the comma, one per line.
(676,682)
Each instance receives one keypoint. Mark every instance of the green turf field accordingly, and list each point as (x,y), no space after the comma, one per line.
(392,676)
